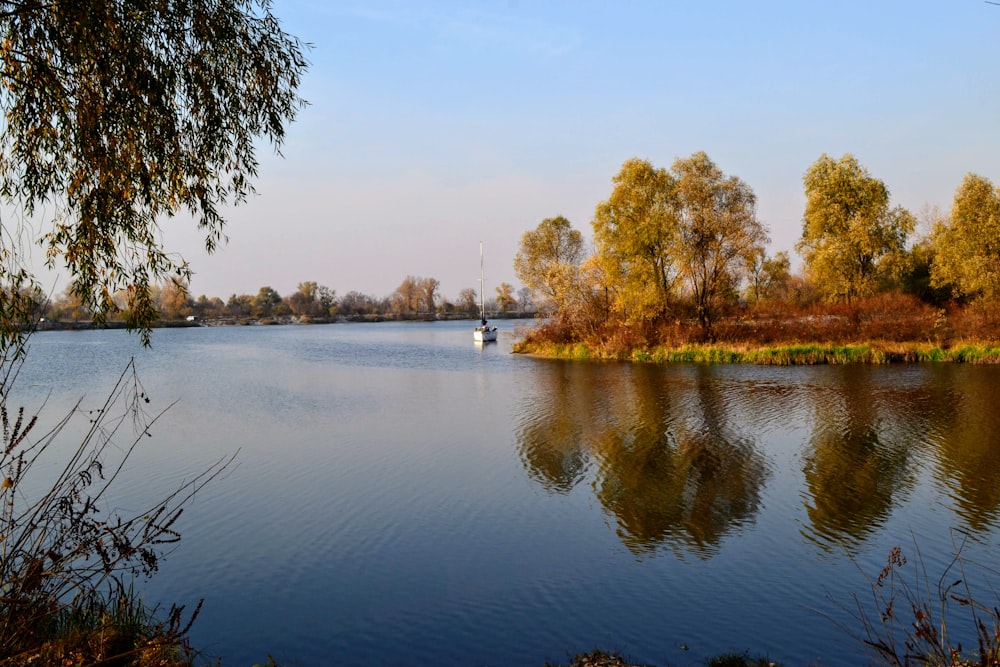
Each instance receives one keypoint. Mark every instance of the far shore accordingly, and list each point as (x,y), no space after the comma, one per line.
(84,325)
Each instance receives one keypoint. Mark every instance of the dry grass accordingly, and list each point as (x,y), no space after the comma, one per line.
(67,561)
(888,328)
(910,621)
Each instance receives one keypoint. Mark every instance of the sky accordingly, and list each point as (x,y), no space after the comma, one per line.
(432,126)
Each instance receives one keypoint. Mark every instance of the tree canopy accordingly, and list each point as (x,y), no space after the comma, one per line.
(719,233)
(119,114)
(967,247)
(548,259)
(635,230)
(848,227)
(660,231)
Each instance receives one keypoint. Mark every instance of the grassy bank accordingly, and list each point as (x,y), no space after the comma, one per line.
(781,355)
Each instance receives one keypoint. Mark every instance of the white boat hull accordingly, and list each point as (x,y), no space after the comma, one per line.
(484,334)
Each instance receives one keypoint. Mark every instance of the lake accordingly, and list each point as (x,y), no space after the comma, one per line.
(403,496)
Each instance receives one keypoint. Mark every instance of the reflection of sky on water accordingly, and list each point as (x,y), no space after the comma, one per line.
(403,496)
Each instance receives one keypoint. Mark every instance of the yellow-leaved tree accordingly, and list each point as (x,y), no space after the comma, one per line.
(719,234)
(635,231)
(548,261)
(967,247)
(849,229)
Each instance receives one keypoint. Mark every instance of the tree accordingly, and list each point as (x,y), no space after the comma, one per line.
(768,277)
(505,297)
(119,115)
(326,300)
(848,227)
(267,303)
(636,233)
(239,305)
(355,303)
(172,300)
(312,300)
(467,301)
(68,307)
(428,289)
(407,297)
(548,259)
(205,307)
(302,302)
(116,116)
(524,299)
(966,249)
(718,232)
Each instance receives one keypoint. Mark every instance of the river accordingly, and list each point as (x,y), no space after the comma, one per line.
(403,496)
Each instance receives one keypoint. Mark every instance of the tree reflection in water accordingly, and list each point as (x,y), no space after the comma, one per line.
(967,443)
(857,460)
(875,430)
(674,453)
(551,433)
(671,470)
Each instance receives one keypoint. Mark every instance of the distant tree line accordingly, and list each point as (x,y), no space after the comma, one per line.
(679,254)
(416,297)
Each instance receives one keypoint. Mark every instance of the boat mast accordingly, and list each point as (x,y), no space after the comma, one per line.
(482,286)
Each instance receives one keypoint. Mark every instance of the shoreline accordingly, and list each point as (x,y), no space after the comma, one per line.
(87,325)
(791,354)
(788,354)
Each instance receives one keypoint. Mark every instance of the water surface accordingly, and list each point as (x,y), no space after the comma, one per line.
(405,496)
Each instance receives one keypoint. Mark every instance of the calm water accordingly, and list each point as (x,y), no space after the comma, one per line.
(404,497)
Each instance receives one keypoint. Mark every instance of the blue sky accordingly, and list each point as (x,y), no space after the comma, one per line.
(434,125)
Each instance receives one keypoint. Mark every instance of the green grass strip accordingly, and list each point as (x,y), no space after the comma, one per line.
(787,355)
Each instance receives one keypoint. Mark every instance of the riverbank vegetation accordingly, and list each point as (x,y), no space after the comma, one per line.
(599,658)
(416,298)
(116,118)
(679,272)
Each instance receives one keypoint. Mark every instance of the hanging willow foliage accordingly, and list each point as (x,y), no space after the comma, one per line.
(119,114)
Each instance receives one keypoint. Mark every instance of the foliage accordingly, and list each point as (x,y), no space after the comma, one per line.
(779,355)
(920,263)
(239,305)
(119,114)
(267,302)
(171,299)
(548,259)
(692,225)
(636,235)
(848,228)
(505,297)
(66,559)
(415,295)
(967,248)
(768,278)
(467,301)
(719,233)
(886,328)
(312,300)
(118,631)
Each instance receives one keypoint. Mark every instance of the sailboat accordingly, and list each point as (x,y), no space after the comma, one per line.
(484,333)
